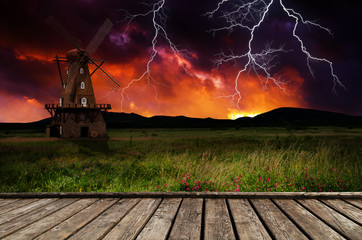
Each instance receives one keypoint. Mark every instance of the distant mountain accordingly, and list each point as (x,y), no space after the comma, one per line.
(280,117)
(305,117)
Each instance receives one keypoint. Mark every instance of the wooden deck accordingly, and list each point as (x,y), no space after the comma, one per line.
(181,216)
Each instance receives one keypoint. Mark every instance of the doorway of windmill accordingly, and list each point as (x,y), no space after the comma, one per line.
(84,131)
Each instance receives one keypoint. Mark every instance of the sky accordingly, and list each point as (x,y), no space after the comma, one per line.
(184,77)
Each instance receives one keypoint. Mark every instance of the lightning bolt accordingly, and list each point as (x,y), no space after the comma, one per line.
(250,15)
(157,11)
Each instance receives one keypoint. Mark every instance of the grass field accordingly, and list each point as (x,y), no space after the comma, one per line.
(247,159)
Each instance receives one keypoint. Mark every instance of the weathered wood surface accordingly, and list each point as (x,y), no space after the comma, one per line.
(181,218)
(217,220)
(280,226)
(188,221)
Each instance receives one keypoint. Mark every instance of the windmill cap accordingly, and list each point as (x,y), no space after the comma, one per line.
(75,53)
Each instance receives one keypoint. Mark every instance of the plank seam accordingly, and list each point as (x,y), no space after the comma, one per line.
(28,224)
(341,213)
(24,213)
(149,217)
(271,234)
(346,200)
(9,202)
(202,235)
(64,220)
(292,220)
(9,210)
(236,234)
(115,224)
(77,230)
(321,219)
(174,219)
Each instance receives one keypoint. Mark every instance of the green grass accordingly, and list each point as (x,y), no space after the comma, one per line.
(253,159)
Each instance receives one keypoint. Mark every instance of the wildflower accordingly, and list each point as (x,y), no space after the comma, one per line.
(303,188)
(186,183)
(267,179)
(165,184)
(260,179)
(187,189)
(235,181)
(275,185)
(239,177)
(252,172)
(257,189)
(158,186)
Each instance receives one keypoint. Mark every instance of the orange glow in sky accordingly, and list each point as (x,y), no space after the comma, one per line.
(169,92)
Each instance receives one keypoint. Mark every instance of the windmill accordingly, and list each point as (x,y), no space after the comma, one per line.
(78,114)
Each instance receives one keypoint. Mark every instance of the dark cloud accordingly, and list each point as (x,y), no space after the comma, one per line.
(25,33)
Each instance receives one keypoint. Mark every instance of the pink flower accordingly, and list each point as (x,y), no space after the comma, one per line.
(186,183)
(239,177)
(158,186)
(252,172)
(257,189)
(267,179)
(260,178)
(187,189)
(275,185)
(303,188)
(235,181)
(165,184)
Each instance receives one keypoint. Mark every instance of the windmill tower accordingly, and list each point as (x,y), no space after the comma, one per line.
(78,114)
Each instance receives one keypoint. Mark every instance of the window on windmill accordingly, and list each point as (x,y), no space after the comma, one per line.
(82,85)
(81,71)
(84,102)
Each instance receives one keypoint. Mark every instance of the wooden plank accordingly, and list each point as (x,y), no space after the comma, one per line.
(314,227)
(280,226)
(355,202)
(5,201)
(105,222)
(159,224)
(188,220)
(133,222)
(346,209)
(25,209)
(273,195)
(15,205)
(77,221)
(217,220)
(51,220)
(247,223)
(29,218)
(342,224)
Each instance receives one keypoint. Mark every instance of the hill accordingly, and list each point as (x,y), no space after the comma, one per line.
(280,117)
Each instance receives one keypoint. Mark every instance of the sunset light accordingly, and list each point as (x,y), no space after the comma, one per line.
(235,114)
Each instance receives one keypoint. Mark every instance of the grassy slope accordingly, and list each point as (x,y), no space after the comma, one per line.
(249,159)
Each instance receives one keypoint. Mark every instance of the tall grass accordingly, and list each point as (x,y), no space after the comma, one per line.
(226,163)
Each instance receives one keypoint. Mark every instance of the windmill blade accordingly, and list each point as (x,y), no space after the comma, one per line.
(105,76)
(63,32)
(100,35)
